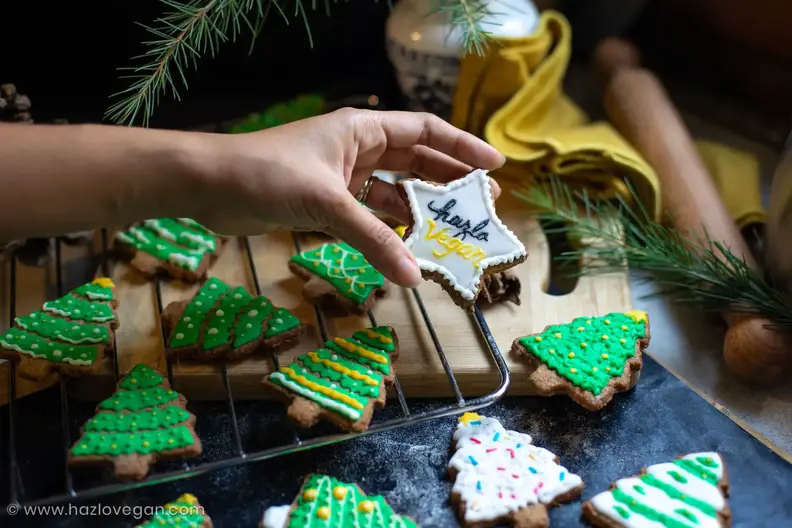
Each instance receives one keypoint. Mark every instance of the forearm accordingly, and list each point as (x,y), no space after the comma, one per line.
(62,178)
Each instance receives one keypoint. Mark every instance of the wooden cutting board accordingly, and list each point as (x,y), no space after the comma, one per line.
(419,368)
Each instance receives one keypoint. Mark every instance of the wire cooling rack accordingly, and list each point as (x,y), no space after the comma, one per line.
(71,493)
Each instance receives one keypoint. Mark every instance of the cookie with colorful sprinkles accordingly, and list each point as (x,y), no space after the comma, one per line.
(689,492)
(144,421)
(342,382)
(177,247)
(340,280)
(70,335)
(500,477)
(223,322)
(327,502)
(185,511)
(589,359)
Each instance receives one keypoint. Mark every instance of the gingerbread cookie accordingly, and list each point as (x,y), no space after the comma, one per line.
(689,492)
(342,382)
(340,280)
(499,287)
(144,421)
(455,235)
(68,335)
(327,502)
(185,511)
(221,322)
(178,247)
(500,477)
(589,359)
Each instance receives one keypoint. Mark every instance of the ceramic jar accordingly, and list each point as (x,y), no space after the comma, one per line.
(425,48)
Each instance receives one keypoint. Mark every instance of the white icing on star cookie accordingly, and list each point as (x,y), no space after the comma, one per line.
(456,233)
(501,472)
(680,493)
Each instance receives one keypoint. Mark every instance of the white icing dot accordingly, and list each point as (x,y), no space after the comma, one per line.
(34,346)
(253,313)
(69,301)
(187,319)
(233,305)
(22,336)
(212,331)
(334,357)
(332,385)
(220,313)
(237,296)
(35,324)
(222,321)
(278,321)
(84,355)
(160,247)
(263,304)
(369,371)
(248,325)
(57,353)
(97,331)
(213,286)
(75,328)
(71,349)
(179,336)
(33,316)
(82,334)
(76,311)
(198,303)
(189,326)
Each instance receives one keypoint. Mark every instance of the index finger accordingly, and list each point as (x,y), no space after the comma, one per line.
(406,129)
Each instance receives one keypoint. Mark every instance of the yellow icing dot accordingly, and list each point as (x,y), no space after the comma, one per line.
(604,337)
(622,340)
(339,492)
(83,446)
(623,327)
(133,424)
(133,381)
(557,334)
(573,370)
(638,316)
(353,257)
(316,264)
(348,281)
(113,446)
(170,440)
(583,345)
(336,249)
(571,355)
(607,369)
(323,512)
(145,444)
(350,290)
(116,402)
(361,271)
(604,356)
(338,261)
(551,351)
(537,338)
(588,321)
(593,369)
(189,498)
(366,506)
(468,417)
(606,321)
(131,437)
(310,494)
(580,329)
(104,282)
(93,422)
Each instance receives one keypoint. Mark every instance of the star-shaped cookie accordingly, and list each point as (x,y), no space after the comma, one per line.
(456,236)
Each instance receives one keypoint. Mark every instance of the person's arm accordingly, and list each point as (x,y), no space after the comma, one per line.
(62,178)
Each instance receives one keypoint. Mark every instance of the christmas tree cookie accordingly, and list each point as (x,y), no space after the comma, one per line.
(185,512)
(589,359)
(327,502)
(68,335)
(501,478)
(145,420)
(178,247)
(222,322)
(339,279)
(341,382)
(689,492)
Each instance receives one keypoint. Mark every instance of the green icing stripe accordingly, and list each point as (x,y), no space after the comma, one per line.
(148,420)
(320,368)
(344,267)
(143,443)
(79,309)
(138,400)
(188,329)
(646,511)
(179,233)
(147,241)
(30,344)
(63,330)
(221,321)
(697,470)
(674,493)
(365,336)
(384,368)
(282,320)
(94,292)
(589,351)
(141,377)
(249,324)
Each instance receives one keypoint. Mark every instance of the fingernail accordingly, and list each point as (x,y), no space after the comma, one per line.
(407,272)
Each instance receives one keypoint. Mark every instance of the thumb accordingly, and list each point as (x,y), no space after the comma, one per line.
(380,245)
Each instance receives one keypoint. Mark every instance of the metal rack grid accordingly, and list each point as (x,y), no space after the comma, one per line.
(16,487)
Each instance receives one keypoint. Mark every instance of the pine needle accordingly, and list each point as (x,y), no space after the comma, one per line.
(193,29)
(614,235)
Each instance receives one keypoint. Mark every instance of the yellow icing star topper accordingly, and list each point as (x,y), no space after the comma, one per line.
(104,282)
(638,316)
(469,417)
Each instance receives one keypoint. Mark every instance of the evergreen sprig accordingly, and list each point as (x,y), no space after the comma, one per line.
(192,29)
(613,235)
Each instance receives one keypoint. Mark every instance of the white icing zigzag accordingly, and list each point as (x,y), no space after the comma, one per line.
(500,472)
(465,228)
(680,494)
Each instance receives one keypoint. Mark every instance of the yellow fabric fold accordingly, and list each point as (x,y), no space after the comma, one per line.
(513,97)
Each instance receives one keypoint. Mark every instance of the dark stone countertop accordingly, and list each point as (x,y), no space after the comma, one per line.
(660,420)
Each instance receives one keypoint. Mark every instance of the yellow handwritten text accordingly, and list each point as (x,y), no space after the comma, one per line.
(454,245)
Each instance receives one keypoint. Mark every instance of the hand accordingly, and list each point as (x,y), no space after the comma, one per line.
(305,175)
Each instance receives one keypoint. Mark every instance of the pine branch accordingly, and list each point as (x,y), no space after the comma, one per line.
(694,271)
(192,29)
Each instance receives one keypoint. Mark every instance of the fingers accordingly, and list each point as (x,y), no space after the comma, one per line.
(406,129)
(384,197)
(430,164)
(380,245)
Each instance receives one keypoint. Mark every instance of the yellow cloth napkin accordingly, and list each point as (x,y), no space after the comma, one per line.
(736,174)
(513,97)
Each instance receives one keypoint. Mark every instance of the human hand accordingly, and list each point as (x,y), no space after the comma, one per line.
(305,175)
